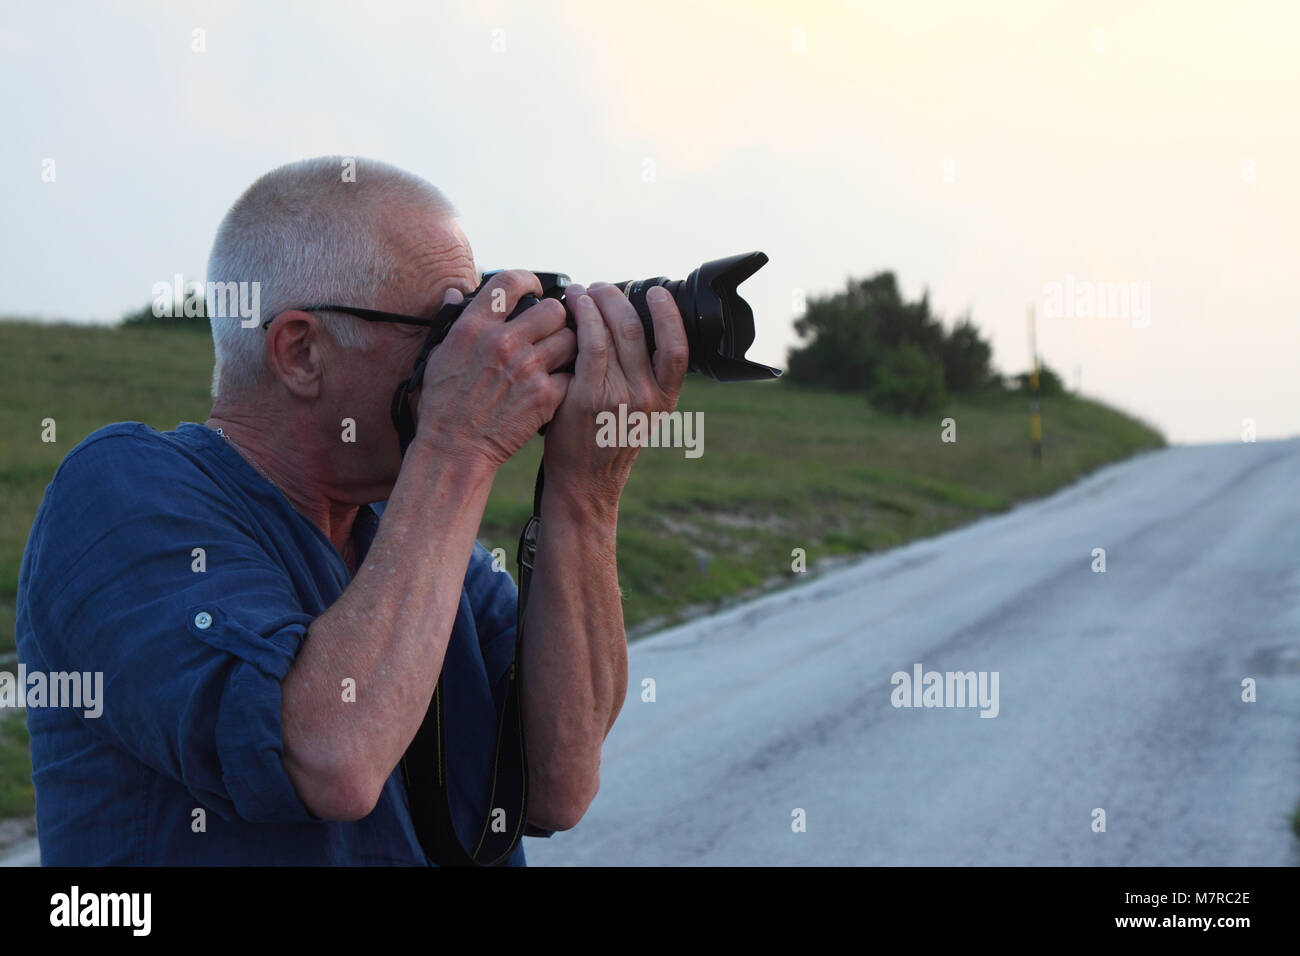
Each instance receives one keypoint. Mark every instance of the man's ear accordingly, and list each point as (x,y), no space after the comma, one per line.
(295,345)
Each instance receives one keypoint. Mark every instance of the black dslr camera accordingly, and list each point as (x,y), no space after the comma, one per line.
(719,324)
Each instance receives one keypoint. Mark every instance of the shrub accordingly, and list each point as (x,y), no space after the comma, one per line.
(907,381)
(870,339)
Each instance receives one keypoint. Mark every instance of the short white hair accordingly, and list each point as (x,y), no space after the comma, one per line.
(309,233)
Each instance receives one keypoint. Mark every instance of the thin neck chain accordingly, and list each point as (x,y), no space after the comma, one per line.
(251,460)
(349,547)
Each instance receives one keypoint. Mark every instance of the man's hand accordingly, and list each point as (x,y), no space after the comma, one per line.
(613,368)
(488,387)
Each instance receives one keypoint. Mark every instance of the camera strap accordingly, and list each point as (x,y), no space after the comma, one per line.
(400,408)
(424,765)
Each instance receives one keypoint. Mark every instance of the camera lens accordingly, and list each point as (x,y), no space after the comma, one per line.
(719,323)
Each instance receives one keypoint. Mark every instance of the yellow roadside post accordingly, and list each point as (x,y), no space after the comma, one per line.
(1035,417)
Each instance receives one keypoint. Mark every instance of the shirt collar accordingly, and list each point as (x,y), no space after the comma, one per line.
(364,527)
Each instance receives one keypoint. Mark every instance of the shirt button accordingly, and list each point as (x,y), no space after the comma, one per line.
(203,620)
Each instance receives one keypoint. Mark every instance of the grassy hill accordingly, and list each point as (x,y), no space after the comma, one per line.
(782,468)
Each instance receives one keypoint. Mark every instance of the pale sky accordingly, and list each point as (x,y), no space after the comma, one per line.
(981,151)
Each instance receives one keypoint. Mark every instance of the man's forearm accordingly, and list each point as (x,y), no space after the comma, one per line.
(574,657)
(388,632)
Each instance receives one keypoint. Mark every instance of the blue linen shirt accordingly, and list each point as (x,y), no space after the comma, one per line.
(192,655)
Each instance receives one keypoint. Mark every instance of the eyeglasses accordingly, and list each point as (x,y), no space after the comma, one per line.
(370,315)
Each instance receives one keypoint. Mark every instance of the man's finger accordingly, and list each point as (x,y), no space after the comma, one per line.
(626,332)
(558,349)
(498,298)
(593,340)
(538,321)
(672,350)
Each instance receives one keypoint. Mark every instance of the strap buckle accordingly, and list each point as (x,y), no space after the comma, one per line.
(528,543)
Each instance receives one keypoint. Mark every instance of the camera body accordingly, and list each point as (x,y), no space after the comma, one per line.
(553,286)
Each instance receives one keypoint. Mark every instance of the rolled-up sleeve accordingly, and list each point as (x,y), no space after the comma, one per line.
(147,574)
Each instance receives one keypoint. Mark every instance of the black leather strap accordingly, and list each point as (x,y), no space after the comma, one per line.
(400,407)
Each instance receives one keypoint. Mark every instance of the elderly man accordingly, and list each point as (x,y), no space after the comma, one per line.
(270,641)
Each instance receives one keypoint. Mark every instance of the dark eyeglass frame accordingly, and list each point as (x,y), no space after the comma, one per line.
(370,315)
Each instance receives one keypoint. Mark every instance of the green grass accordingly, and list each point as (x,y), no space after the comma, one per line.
(17,799)
(782,468)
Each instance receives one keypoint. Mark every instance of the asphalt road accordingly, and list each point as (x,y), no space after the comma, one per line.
(1120,691)
(26,853)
